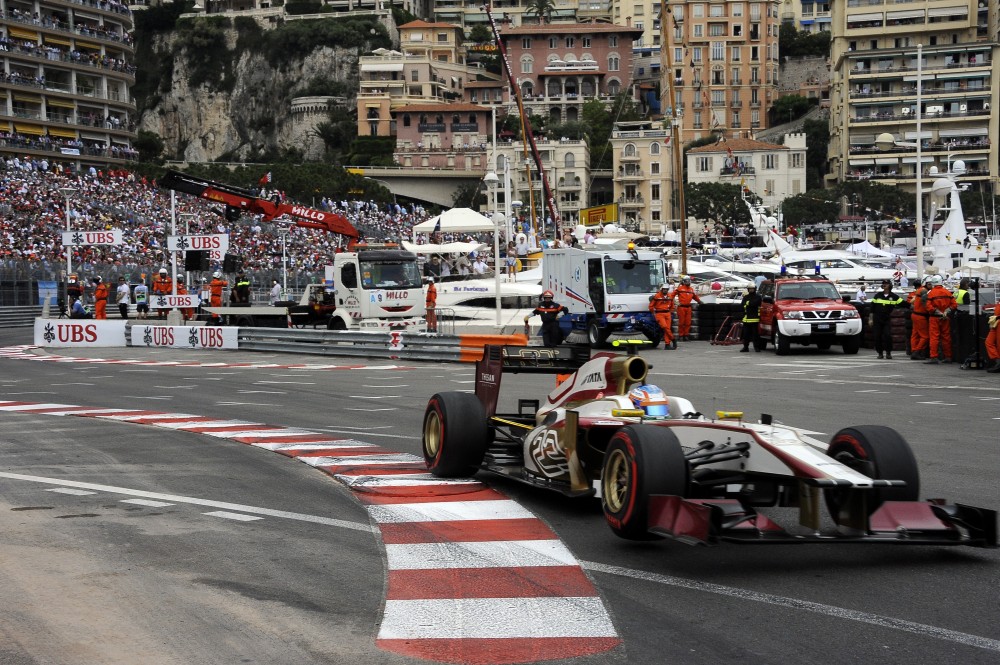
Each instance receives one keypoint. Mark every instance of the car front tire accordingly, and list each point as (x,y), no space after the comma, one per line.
(640,461)
(878,452)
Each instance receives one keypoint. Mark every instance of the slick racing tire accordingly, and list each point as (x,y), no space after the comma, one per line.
(878,452)
(455,435)
(640,461)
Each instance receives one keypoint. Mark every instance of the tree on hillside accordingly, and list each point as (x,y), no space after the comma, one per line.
(817,142)
(600,120)
(480,34)
(791,107)
(793,43)
(816,206)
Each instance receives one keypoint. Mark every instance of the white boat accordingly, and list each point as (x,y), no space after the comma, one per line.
(476,291)
(952,246)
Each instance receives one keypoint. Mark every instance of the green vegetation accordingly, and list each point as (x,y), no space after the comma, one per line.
(150,147)
(791,107)
(202,43)
(817,133)
(795,44)
(716,203)
(481,34)
(599,121)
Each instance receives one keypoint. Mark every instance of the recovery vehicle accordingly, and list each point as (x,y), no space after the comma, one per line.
(314,308)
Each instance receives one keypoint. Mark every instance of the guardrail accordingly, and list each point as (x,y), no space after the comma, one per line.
(401,346)
(19,317)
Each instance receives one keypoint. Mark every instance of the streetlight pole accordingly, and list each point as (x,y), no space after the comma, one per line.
(284,230)
(492,181)
(68,193)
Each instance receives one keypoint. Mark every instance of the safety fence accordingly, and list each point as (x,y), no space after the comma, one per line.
(19,317)
(62,333)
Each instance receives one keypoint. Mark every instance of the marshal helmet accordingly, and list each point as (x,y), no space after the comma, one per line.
(686,280)
(547,295)
(651,399)
(216,274)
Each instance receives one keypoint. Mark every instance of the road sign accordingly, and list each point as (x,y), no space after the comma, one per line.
(80,238)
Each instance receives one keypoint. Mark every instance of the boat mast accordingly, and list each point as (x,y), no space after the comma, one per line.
(529,138)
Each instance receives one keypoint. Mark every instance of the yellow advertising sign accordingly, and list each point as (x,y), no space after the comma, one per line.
(605,214)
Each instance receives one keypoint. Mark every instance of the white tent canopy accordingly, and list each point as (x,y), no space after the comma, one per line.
(456,219)
(865,248)
(464,248)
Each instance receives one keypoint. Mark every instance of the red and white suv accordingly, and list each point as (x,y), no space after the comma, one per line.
(801,310)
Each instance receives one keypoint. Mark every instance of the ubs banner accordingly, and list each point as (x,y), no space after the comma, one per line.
(62,332)
(185,337)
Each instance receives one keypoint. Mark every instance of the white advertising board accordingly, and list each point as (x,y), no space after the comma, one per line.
(216,243)
(185,337)
(189,301)
(81,238)
(79,332)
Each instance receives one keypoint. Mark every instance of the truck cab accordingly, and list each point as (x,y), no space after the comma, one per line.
(805,310)
(378,290)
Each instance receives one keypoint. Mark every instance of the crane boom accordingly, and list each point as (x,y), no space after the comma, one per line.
(529,137)
(239,200)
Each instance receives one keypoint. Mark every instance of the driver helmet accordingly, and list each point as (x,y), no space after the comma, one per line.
(651,399)
(547,295)
(685,280)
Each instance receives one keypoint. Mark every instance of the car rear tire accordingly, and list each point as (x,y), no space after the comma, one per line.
(878,452)
(640,461)
(852,344)
(597,335)
(455,434)
(781,344)
(336,323)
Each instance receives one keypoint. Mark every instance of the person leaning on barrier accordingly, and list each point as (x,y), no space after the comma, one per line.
(141,300)
(549,312)
(882,305)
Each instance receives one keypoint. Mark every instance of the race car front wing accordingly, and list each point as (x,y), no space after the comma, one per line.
(933,522)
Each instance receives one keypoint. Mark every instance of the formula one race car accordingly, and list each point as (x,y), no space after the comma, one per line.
(662,469)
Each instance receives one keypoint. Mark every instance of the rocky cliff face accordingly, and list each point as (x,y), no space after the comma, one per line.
(206,123)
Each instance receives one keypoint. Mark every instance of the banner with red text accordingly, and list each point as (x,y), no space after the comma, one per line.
(185,337)
(79,332)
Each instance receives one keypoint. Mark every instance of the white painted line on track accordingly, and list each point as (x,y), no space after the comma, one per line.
(829,610)
(176,498)
(374,396)
(153,397)
(389,408)
(938,403)
(244,404)
(294,383)
(147,502)
(175,387)
(334,430)
(492,554)
(495,618)
(75,383)
(70,490)
(448,511)
(263,392)
(239,517)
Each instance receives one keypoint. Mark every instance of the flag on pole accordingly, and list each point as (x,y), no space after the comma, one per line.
(265,179)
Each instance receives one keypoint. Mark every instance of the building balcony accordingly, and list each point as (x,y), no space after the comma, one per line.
(570,185)
(744,170)
(628,158)
(630,174)
(631,202)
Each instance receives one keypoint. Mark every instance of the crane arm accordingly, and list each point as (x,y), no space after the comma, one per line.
(239,200)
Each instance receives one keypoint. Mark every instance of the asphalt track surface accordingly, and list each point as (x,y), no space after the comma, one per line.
(125,543)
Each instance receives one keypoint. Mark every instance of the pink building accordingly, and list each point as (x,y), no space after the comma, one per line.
(443,136)
(560,66)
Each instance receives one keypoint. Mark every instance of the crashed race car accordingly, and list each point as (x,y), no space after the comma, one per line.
(662,469)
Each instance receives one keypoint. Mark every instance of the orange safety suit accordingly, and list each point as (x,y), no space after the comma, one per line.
(918,315)
(187,311)
(940,302)
(216,286)
(101,301)
(430,303)
(661,304)
(993,337)
(684,295)
(162,286)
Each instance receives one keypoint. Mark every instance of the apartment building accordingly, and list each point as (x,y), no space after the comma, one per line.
(443,136)
(64,88)
(807,15)
(558,67)
(875,77)
(567,168)
(429,67)
(723,59)
(642,171)
(772,172)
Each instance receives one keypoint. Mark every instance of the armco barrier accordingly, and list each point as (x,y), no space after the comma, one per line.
(402,346)
(19,317)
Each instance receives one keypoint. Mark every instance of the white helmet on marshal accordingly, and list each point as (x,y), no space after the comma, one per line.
(216,274)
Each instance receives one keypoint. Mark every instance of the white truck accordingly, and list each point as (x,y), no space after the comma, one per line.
(377,290)
(606,291)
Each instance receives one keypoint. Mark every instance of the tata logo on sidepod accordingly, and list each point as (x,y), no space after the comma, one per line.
(488,378)
(593,377)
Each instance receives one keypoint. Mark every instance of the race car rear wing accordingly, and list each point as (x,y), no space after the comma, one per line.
(522,359)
